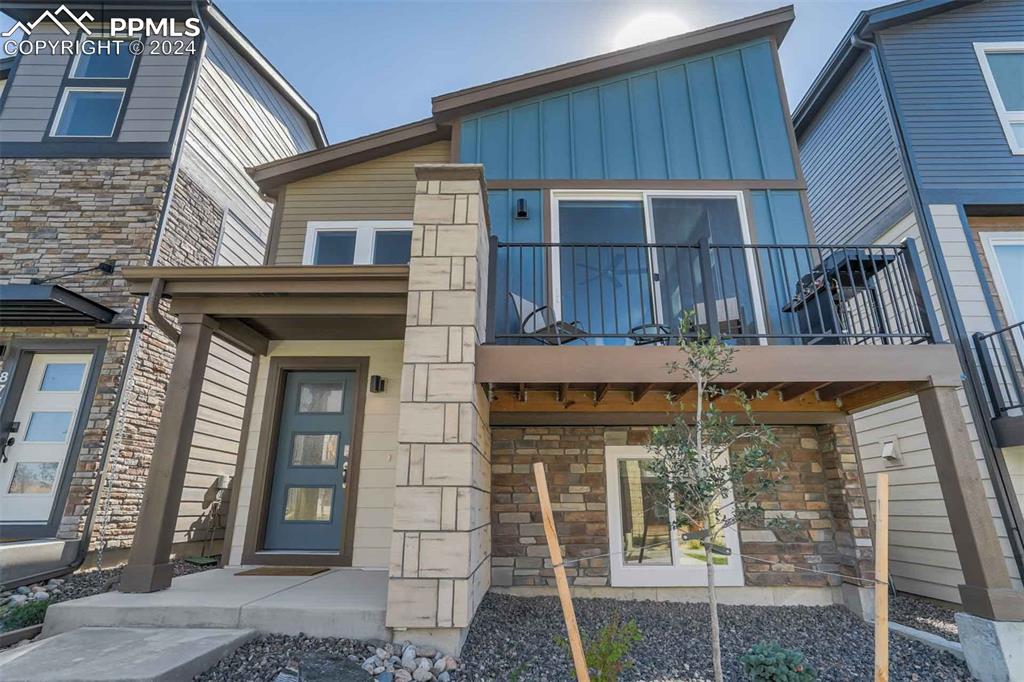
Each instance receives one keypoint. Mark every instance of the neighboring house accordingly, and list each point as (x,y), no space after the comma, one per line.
(915,128)
(112,161)
(449,301)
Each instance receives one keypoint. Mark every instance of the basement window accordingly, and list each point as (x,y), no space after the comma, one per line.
(1002,64)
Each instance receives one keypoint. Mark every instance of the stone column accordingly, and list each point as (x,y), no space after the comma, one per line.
(441,544)
(149,568)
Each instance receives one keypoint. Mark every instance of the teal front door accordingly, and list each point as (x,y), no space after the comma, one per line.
(311,464)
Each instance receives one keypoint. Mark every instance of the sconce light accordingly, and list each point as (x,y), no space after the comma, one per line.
(376,384)
(521,213)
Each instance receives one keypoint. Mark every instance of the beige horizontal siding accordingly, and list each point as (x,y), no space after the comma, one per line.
(382,189)
(923,554)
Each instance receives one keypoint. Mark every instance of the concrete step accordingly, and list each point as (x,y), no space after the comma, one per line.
(121,654)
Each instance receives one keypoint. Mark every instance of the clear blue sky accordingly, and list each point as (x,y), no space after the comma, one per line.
(371,65)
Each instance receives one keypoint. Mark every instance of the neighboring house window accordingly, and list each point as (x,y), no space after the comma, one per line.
(647,547)
(1004,252)
(95,91)
(357,242)
(1003,67)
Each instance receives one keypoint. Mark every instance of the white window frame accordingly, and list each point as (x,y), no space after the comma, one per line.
(1006,118)
(78,57)
(63,103)
(366,233)
(676,575)
(645,196)
(989,242)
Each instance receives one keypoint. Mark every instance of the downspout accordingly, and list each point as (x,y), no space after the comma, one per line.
(947,297)
(139,322)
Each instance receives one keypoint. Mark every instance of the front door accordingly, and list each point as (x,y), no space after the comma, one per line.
(311,463)
(31,466)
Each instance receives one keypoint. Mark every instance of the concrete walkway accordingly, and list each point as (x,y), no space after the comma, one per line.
(342,602)
(121,654)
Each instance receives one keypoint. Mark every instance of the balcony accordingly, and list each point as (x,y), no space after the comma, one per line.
(1000,356)
(638,294)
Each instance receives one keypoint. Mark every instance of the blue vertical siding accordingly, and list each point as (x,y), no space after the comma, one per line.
(717,116)
(856,187)
(956,140)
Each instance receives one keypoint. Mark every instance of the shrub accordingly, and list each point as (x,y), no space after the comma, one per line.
(24,615)
(774,663)
(606,652)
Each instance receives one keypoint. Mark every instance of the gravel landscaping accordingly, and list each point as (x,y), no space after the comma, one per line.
(515,638)
(264,657)
(925,614)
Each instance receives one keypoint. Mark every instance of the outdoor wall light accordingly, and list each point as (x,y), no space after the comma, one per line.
(521,213)
(377,384)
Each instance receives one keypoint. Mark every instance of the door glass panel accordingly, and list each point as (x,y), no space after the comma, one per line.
(62,376)
(645,521)
(315,449)
(321,397)
(392,247)
(33,478)
(1011,266)
(685,221)
(606,289)
(308,504)
(335,248)
(48,427)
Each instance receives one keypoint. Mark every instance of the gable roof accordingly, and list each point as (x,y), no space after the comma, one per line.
(846,53)
(270,177)
(26,10)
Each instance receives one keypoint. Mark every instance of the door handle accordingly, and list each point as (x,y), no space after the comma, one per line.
(3,449)
(344,473)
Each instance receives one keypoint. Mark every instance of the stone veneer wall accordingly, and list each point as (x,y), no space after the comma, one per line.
(823,495)
(59,215)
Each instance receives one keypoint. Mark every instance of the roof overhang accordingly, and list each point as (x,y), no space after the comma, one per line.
(271,177)
(452,105)
(49,305)
(255,305)
(864,27)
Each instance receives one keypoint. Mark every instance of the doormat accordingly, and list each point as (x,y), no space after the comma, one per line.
(284,570)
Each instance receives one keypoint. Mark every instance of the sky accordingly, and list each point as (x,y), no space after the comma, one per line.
(370,65)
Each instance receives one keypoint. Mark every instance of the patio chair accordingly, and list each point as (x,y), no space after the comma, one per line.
(538,323)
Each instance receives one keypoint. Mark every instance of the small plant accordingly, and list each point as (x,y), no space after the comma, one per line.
(606,652)
(774,663)
(24,615)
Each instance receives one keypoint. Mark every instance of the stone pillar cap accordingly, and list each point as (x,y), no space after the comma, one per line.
(449,171)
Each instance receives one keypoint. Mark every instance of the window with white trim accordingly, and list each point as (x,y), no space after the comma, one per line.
(1002,64)
(357,242)
(97,83)
(647,547)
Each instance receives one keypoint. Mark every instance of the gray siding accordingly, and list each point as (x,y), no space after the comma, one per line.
(33,93)
(955,134)
(153,104)
(238,121)
(850,157)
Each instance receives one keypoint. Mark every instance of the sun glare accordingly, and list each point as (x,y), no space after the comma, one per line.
(648,27)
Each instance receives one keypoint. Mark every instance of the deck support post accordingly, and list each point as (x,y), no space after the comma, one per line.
(149,567)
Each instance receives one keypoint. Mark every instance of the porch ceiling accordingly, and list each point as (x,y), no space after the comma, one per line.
(812,380)
(257,304)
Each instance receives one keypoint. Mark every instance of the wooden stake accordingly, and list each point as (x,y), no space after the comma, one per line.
(882,580)
(579,659)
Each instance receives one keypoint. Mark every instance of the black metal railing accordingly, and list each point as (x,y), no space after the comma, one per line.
(1000,355)
(638,293)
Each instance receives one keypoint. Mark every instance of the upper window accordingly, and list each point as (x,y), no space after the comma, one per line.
(100,57)
(357,242)
(88,112)
(1003,67)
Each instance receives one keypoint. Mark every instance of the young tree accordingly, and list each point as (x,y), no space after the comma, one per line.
(714,466)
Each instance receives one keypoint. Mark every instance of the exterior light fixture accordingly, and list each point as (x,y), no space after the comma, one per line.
(377,384)
(521,212)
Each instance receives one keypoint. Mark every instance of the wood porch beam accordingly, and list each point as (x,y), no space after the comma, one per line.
(837,390)
(799,388)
